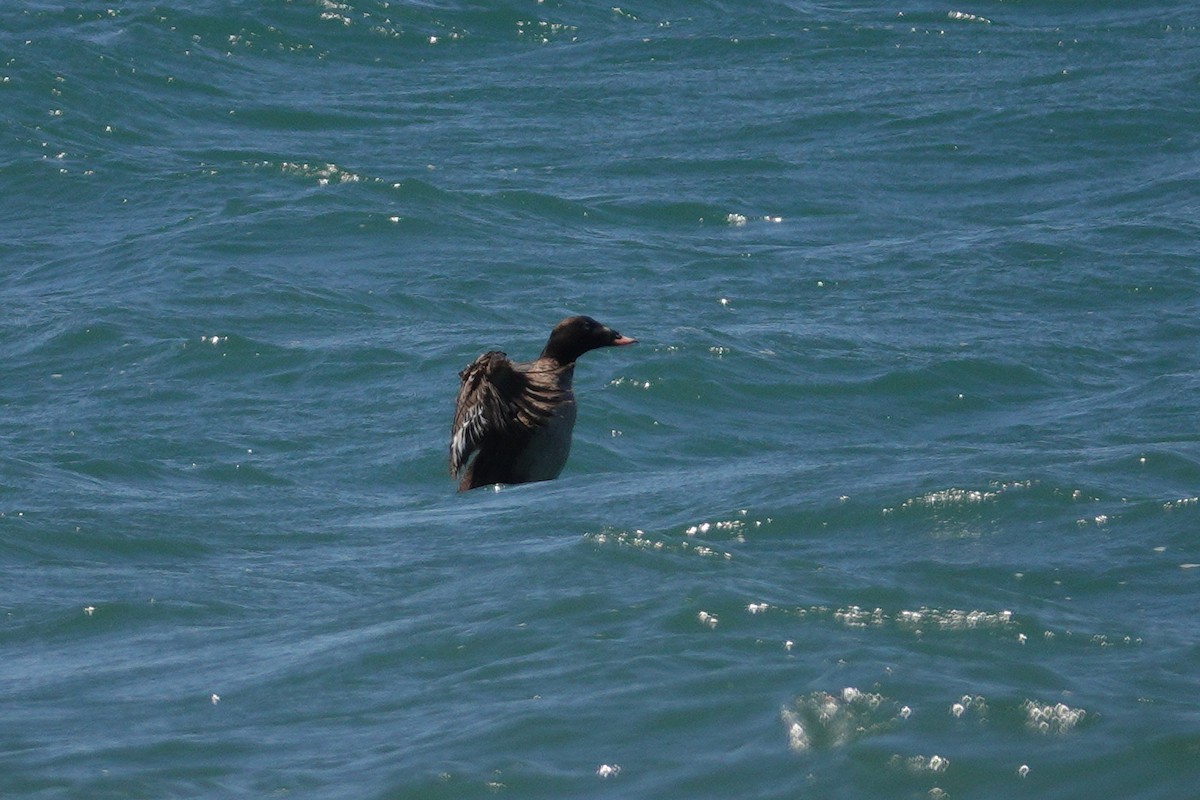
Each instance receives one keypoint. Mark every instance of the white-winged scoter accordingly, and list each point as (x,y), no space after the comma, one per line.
(513,420)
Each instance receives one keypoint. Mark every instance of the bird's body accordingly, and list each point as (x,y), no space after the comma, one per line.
(513,420)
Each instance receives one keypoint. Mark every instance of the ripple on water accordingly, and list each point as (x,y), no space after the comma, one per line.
(703,539)
(820,720)
(921,743)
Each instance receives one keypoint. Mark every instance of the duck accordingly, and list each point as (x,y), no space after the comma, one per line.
(513,419)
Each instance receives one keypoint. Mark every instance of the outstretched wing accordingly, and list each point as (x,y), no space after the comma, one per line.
(497,402)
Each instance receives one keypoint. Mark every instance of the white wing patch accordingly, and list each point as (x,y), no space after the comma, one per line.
(466,438)
(501,406)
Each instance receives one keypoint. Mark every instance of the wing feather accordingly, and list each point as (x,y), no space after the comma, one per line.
(497,401)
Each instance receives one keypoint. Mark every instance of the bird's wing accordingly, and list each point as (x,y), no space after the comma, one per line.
(496,400)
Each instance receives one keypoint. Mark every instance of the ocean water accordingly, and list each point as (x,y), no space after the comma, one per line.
(896,497)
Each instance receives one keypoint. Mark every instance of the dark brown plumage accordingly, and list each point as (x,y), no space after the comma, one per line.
(513,420)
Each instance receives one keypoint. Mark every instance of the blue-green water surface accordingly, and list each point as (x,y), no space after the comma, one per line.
(896,497)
